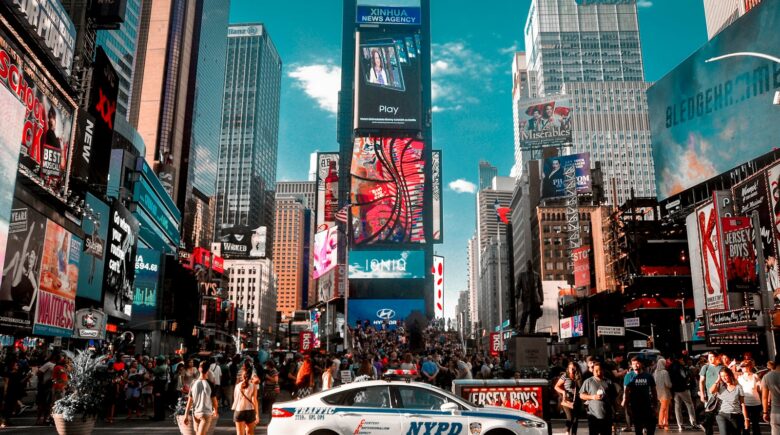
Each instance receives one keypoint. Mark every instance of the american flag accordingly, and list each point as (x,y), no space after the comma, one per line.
(341,215)
(502,213)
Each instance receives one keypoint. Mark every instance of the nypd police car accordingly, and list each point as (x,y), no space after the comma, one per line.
(396,407)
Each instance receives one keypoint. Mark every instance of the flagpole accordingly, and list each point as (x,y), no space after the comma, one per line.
(500,297)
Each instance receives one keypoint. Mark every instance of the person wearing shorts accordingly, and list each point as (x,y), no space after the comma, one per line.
(246,411)
(202,400)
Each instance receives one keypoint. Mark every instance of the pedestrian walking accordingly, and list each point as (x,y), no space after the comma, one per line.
(13,391)
(304,380)
(246,411)
(329,375)
(663,388)
(732,415)
(751,387)
(641,399)
(202,400)
(568,386)
(680,377)
(271,388)
(708,376)
(770,396)
(598,393)
(43,396)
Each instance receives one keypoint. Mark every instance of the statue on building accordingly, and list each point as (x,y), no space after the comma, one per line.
(531,298)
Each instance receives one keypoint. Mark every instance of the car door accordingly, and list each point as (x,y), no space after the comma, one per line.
(422,415)
(365,411)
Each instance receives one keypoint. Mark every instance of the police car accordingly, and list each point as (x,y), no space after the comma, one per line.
(396,407)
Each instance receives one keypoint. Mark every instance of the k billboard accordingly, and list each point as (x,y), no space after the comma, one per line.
(386,264)
(241,242)
(120,262)
(56,297)
(47,128)
(378,312)
(709,117)
(544,122)
(327,189)
(387,79)
(554,181)
(388,183)
(95,226)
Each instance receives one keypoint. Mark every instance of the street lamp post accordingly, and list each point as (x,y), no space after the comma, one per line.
(683,324)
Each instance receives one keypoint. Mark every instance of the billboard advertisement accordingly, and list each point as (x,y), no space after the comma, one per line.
(525,398)
(90,323)
(12,112)
(697,269)
(379,312)
(49,24)
(387,79)
(147,276)
(22,266)
(327,189)
(242,242)
(95,226)
(388,15)
(331,284)
(386,264)
(741,274)
(436,190)
(326,249)
(581,267)
(102,106)
(545,122)
(388,182)
(438,287)
(120,262)
(572,326)
(711,258)
(553,180)
(47,128)
(709,117)
(58,282)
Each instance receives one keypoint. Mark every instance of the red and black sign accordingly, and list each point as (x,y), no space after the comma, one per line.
(524,398)
(733,339)
(102,106)
(495,343)
(741,275)
(305,342)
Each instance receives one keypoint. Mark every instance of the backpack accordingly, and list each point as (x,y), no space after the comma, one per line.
(224,378)
(678,378)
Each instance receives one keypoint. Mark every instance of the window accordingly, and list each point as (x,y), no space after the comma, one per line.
(371,397)
(422,398)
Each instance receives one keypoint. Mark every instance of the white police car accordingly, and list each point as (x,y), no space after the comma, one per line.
(396,407)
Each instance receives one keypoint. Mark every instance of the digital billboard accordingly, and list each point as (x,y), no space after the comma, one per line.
(95,226)
(102,106)
(436,190)
(553,179)
(572,326)
(378,312)
(545,122)
(386,264)
(326,249)
(120,262)
(438,287)
(741,274)
(327,189)
(388,183)
(12,112)
(58,283)
(147,275)
(387,79)
(241,242)
(709,117)
(47,128)
(388,15)
(22,266)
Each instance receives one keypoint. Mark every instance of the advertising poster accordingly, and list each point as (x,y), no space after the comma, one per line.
(22,266)
(95,226)
(697,268)
(331,284)
(752,195)
(773,186)
(438,210)
(102,107)
(388,182)
(706,117)
(326,249)
(386,264)
(147,273)
(47,128)
(241,242)
(571,326)
(314,325)
(523,398)
(327,189)
(495,344)
(12,113)
(120,262)
(581,267)
(387,79)
(545,122)
(379,312)
(58,282)
(438,287)
(305,342)
(741,274)
(553,179)
(711,258)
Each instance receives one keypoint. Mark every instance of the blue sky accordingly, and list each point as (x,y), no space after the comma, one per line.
(472,52)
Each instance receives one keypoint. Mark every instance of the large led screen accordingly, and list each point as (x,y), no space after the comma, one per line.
(378,312)
(326,248)
(242,242)
(544,122)
(147,276)
(709,117)
(120,262)
(554,180)
(386,264)
(387,79)
(327,189)
(388,182)
(95,226)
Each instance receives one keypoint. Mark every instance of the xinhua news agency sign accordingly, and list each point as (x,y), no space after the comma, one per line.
(407,16)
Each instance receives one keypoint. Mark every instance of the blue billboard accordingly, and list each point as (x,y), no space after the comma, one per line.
(91,265)
(147,277)
(553,179)
(383,311)
(714,111)
(386,264)
(393,15)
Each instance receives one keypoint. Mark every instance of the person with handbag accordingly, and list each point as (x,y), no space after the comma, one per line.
(246,410)
(751,386)
(568,386)
(732,414)
(708,376)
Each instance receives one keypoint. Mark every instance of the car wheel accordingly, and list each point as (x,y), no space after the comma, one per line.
(324,432)
(500,432)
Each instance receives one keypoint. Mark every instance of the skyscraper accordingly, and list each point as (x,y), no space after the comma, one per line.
(721,13)
(488,225)
(198,224)
(592,53)
(473,280)
(289,234)
(246,173)
(486,174)
(121,46)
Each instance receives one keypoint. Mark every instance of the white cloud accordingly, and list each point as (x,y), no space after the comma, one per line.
(321,82)
(509,50)
(455,64)
(644,3)
(462,186)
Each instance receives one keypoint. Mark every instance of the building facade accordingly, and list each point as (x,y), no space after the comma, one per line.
(252,287)
(494,302)
(488,224)
(462,308)
(288,252)
(473,280)
(486,174)
(246,172)
(721,13)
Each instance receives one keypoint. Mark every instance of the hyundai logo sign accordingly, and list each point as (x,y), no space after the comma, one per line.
(385,313)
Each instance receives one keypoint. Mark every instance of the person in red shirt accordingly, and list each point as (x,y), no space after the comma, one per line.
(59,377)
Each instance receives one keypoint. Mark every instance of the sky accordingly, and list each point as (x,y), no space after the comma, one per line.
(471,67)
